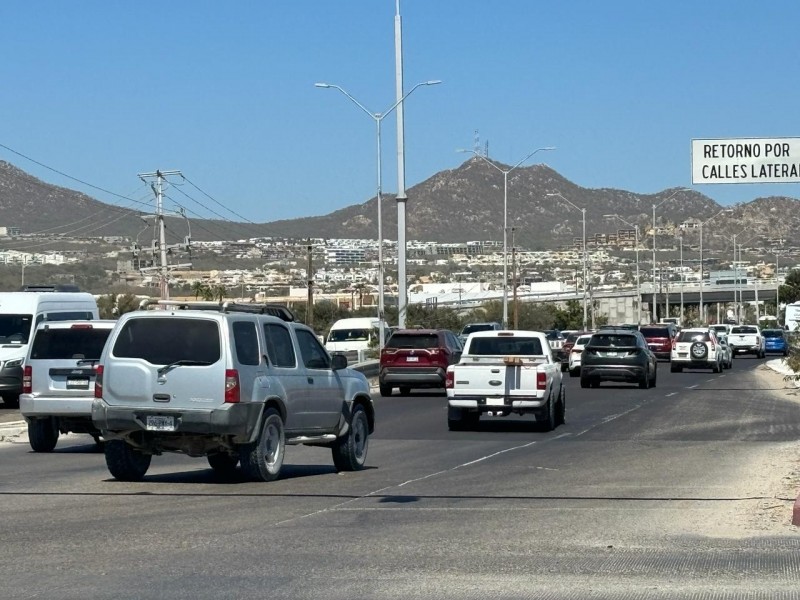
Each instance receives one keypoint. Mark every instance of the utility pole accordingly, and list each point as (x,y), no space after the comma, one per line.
(514,280)
(310,280)
(164,267)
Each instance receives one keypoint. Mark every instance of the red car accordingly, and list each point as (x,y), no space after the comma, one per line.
(567,348)
(659,338)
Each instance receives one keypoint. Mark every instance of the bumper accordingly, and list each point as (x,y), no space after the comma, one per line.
(702,363)
(11,380)
(482,404)
(433,377)
(776,349)
(31,405)
(626,373)
(745,349)
(238,420)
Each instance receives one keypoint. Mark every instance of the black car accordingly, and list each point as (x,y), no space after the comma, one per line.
(618,355)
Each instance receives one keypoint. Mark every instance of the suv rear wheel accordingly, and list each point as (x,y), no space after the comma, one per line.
(43,434)
(350,450)
(262,460)
(125,462)
(386,390)
(223,464)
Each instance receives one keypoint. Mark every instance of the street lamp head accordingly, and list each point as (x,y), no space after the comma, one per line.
(432,82)
(322,85)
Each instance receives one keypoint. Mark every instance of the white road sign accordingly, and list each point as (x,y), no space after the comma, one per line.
(746,160)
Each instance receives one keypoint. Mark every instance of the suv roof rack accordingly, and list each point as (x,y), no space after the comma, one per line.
(52,287)
(276,310)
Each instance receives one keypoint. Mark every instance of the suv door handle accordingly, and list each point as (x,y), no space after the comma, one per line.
(310,380)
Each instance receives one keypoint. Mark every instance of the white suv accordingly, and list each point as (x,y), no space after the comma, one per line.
(696,348)
(58,380)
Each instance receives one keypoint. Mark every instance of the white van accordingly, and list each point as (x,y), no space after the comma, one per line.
(353,337)
(20,313)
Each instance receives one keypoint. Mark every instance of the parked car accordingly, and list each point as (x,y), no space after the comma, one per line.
(575,354)
(473,327)
(727,352)
(566,349)
(720,328)
(234,383)
(776,341)
(417,358)
(696,348)
(659,338)
(58,380)
(618,355)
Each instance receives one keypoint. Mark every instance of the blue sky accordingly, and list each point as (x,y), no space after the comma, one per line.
(225,92)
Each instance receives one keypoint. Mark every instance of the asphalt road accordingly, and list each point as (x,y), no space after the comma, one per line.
(642,494)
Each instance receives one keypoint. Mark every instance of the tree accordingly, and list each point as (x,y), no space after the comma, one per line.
(198,289)
(790,290)
(107,306)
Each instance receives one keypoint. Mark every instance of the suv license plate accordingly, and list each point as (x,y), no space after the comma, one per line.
(77,383)
(154,423)
(412,358)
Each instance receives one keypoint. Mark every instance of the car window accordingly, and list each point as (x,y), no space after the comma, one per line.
(54,344)
(163,341)
(245,340)
(744,330)
(413,341)
(656,332)
(80,315)
(280,350)
(583,340)
(313,354)
(694,336)
(772,333)
(616,340)
(496,346)
(472,328)
(15,328)
(348,335)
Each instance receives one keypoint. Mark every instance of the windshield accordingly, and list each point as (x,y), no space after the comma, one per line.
(348,335)
(655,332)
(413,340)
(604,339)
(496,346)
(554,335)
(477,327)
(694,336)
(79,343)
(583,340)
(772,333)
(744,330)
(15,329)
(163,341)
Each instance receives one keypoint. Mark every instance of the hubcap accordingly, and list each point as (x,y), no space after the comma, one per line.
(272,445)
(360,437)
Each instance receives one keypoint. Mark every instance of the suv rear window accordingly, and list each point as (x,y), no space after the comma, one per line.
(413,340)
(496,346)
(654,332)
(162,341)
(694,336)
(56,344)
(772,333)
(616,340)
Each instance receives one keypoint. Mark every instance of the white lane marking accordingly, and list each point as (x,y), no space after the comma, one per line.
(609,419)
(691,387)
(415,480)
(670,394)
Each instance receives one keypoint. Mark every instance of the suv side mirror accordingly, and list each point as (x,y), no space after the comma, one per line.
(338,362)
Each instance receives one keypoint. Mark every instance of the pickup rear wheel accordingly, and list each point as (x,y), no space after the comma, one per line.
(43,434)
(386,390)
(350,450)
(262,460)
(549,416)
(125,462)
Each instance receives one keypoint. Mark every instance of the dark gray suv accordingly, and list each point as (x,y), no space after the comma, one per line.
(618,355)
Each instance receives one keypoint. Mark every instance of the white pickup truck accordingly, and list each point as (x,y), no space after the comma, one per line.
(746,339)
(505,372)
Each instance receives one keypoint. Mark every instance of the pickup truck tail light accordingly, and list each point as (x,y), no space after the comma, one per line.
(27,376)
(541,381)
(98,381)
(231,386)
(449,379)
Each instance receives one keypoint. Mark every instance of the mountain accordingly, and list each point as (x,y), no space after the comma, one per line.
(458,205)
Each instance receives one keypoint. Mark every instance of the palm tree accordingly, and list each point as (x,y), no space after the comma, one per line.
(198,288)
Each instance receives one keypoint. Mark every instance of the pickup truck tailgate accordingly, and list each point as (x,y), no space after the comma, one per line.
(498,376)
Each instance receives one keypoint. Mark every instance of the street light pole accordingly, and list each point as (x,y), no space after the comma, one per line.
(702,270)
(378,118)
(680,241)
(583,260)
(638,280)
(655,290)
(505,173)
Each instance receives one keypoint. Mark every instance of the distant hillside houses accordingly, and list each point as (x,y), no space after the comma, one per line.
(12,257)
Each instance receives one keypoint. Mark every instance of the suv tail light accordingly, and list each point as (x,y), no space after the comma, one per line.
(449,379)
(98,381)
(27,376)
(231,386)
(541,381)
